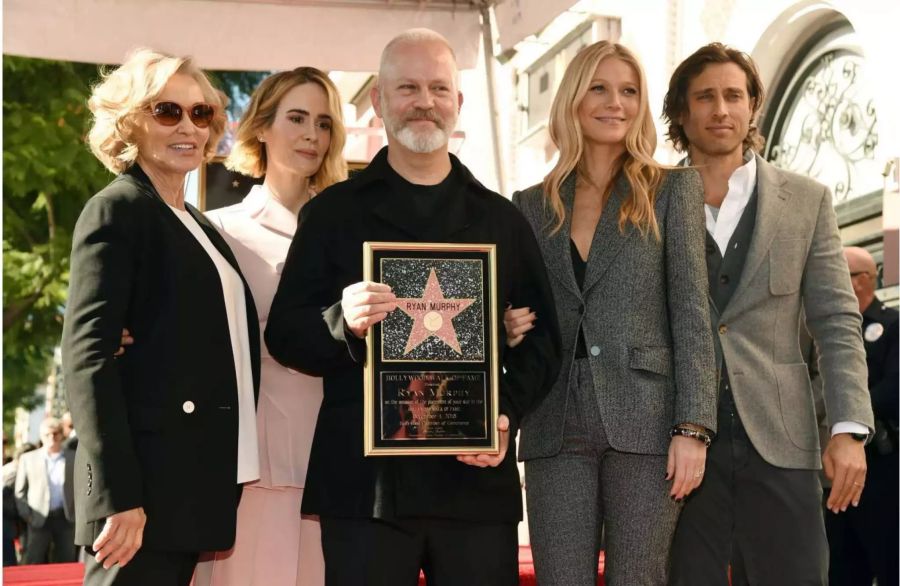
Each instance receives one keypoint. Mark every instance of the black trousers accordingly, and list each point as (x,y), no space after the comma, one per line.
(450,553)
(763,521)
(864,541)
(146,568)
(58,532)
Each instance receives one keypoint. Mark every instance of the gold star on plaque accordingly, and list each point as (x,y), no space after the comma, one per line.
(433,314)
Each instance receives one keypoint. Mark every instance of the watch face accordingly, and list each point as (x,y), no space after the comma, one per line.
(860,437)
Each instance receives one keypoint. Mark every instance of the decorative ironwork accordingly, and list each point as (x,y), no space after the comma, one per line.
(827,128)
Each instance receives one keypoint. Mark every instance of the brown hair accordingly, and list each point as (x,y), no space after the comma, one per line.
(248,155)
(675,103)
(636,164)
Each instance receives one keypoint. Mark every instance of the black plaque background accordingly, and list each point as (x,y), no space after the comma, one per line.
(420,446)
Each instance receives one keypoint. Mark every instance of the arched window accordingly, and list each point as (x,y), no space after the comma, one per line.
(822,122)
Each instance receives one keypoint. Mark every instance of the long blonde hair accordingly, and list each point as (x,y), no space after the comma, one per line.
(248,155)
(642,172)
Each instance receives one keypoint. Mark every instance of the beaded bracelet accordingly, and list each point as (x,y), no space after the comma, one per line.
(693,433)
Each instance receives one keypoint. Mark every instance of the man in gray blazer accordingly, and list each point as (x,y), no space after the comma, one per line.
(773,250)
(40,499)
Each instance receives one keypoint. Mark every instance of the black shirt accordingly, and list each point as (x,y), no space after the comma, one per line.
(579,265)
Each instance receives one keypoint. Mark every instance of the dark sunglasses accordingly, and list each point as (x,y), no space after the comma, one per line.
(169,113)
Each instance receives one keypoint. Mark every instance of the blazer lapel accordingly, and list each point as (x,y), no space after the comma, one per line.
(608,240)
(269,213)
(772,196)
(559,255)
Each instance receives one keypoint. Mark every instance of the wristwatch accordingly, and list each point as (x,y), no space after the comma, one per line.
(860,437)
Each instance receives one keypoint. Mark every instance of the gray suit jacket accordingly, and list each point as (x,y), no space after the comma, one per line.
(795,260)
(33,489)
(644,312)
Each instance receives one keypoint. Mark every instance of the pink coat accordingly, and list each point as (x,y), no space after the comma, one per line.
(259,231)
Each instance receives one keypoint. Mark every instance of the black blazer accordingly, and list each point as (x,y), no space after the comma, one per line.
(158,426)
(305,331)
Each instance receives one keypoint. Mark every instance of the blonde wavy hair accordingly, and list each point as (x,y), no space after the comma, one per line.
(128,91)
(642,172)
(248,156)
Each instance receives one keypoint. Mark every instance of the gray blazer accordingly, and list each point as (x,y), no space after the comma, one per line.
(645,315)
(32,491)
(795,260)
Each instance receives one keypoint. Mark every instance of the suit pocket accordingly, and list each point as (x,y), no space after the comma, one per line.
(786,261)
(797,408)
(655,359)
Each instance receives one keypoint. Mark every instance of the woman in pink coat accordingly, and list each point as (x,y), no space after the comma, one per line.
(292,132)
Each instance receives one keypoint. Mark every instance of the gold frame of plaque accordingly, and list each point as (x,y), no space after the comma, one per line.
(432,373)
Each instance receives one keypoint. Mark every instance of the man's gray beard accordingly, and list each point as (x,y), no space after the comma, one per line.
(422,142)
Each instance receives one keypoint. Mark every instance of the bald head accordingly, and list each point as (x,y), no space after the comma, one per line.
(863,274)
(410,39)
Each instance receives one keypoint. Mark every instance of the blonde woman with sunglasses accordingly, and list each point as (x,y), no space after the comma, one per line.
(167,431)
(621,439)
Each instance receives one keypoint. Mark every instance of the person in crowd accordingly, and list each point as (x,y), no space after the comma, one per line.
(11,518)
(864,541)
(167,431)
(13,525)
(622,438)
(40,500)
(70,438)
(772,251)
(384,518)
(292,133)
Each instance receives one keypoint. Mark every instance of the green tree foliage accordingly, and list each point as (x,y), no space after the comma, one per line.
(48,174)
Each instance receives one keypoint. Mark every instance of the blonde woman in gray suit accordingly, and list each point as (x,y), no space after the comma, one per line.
(622,437)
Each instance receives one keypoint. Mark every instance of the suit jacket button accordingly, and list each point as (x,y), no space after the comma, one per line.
(595,350)
(188,407)
(723,328)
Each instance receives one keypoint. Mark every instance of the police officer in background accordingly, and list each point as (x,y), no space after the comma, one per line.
(864,541)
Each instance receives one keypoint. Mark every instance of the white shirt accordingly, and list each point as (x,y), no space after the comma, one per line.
(56,476)
(235,303)
(723,224)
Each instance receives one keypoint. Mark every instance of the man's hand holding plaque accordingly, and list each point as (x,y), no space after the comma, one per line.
(490,460)
(365,304)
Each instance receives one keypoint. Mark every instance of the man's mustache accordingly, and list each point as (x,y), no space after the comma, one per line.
(421,114)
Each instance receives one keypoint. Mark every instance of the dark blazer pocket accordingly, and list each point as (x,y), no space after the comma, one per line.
(797,408)
(656,359)
(786,261)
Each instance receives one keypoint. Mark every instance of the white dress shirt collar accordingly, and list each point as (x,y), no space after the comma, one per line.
(741,185)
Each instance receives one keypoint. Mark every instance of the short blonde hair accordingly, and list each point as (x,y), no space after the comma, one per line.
(248,155)
(643,173)
(130,89)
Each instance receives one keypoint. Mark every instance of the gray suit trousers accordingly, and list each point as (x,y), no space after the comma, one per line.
(588,487)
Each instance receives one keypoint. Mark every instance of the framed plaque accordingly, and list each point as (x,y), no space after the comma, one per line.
(431,374)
